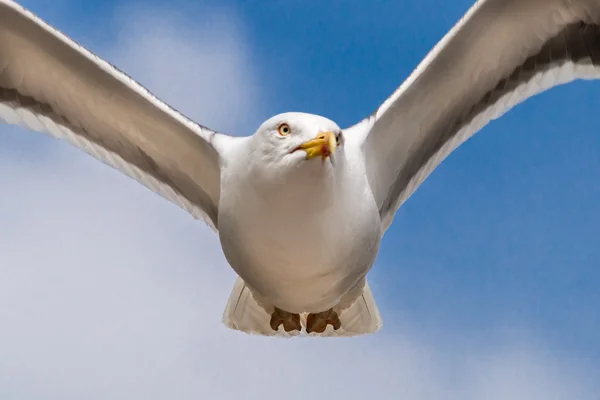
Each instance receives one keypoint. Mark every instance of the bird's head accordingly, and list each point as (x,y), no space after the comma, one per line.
(296,161)
(299,140)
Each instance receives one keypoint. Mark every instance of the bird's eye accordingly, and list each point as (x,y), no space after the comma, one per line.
(338,139)
(284,129)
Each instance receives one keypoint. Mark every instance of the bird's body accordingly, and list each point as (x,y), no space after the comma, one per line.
(302,246)
(300,206)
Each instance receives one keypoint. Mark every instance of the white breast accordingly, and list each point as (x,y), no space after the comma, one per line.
(300,244)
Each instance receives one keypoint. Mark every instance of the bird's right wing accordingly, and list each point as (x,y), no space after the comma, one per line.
(49,83)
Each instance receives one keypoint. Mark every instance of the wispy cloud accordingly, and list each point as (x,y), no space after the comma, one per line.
(202,67)
(108,291)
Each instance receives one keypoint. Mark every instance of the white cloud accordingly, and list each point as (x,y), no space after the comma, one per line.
(108,291)
(215,84)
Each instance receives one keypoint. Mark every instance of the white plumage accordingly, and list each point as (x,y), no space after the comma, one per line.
(300,206)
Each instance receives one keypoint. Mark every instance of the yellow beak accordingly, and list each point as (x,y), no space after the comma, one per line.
(323,145)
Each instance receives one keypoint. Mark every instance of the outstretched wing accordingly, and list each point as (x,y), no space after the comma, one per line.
(500,53)
(50,84)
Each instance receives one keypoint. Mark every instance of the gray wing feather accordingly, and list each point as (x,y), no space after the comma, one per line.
(49,83)
(501,53)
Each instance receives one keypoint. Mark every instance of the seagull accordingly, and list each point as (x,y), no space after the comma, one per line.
(300,206)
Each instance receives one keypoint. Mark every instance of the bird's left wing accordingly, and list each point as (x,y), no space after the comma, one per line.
(498,55)
(50,84)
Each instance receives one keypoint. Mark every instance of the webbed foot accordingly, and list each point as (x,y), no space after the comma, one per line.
(317,322)
(290,321)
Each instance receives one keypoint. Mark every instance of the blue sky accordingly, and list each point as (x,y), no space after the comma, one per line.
(499,245)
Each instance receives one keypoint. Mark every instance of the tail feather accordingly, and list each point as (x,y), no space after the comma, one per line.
(244,313)
(361,317)
(248,313)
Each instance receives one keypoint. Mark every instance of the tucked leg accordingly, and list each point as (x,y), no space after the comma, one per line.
(317,322)
(290,321)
